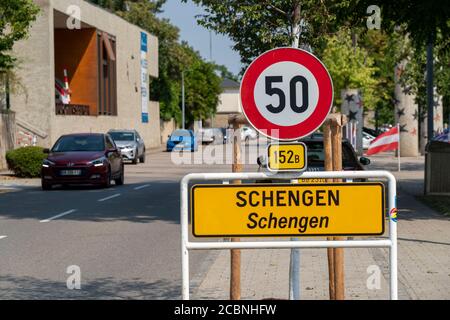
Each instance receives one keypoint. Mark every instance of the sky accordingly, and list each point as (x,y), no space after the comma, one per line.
(183,15)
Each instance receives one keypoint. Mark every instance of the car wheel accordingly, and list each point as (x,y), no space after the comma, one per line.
(120,181)
(142,158)
(46,185)
(107,183)
(135,160)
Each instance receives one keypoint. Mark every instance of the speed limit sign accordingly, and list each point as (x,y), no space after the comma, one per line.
(286,93)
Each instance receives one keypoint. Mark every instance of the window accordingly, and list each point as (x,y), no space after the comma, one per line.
(107,68)
(79,143)
(122,136)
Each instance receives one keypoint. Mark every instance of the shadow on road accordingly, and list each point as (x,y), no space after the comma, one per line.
(159,201)
(14,287)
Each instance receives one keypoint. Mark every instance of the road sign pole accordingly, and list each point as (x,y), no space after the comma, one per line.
(294,266)
(294,269)
(184,240)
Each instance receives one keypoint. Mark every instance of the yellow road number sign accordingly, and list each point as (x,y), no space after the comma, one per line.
(256,210)
(286,157)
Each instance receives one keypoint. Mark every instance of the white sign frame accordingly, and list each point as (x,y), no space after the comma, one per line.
(390,243)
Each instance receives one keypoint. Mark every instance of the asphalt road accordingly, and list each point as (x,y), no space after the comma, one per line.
(125,240)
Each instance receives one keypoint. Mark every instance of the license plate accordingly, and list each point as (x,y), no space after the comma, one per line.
(312,180)
(70,172)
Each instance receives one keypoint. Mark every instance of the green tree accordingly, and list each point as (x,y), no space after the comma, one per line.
(350,67)
(16,17)
(256,26)
(386,48)
(225,73)
(202,86)
(424,22)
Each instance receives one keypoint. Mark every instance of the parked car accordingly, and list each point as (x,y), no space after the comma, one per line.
(316,155)
(248,134)
(90,158)
(372,132)
(182,140)
(211,136)
(130,144)
(367,139)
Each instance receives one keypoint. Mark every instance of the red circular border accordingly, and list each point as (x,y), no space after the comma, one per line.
(303,58)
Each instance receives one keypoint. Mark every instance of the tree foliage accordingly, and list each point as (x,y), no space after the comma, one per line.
(350,67)
(256,26)
(16,17)
(202,87)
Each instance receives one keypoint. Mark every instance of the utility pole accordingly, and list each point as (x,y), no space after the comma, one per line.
(430,91)
(210,46)
(183,107)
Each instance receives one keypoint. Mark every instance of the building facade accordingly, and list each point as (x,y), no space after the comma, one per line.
(229,103)
(106,63)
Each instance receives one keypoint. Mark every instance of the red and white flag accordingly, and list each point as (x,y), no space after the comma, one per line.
(384,142)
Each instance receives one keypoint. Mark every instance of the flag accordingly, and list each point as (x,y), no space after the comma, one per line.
(384,142)
(444,137)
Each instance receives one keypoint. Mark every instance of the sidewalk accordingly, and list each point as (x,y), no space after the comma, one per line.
(9,181)
(423,256)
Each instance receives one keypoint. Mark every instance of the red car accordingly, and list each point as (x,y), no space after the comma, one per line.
(90,158)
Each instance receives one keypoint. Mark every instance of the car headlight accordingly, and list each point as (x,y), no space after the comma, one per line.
(47,163)
(98,162)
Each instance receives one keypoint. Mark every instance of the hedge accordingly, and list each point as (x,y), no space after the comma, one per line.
(26,162)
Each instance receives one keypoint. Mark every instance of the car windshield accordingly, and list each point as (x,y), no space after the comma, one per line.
(79,143)
(181,133)
(122,136)
(316,153)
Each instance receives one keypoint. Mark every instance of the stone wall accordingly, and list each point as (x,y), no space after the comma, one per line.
(166,128)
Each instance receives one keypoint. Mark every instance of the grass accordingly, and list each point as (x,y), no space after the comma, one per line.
(439,203)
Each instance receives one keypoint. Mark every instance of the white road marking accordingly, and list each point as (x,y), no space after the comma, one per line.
(110,197)
(59,215)
(3,237)
(142,187)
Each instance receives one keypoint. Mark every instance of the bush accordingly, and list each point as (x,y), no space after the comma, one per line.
(26,162)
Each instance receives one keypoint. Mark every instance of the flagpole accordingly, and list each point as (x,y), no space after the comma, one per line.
(398,150)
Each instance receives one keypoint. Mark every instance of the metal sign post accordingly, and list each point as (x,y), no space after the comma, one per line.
(391,242)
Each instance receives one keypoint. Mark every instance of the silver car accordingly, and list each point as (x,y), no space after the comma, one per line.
(130,144)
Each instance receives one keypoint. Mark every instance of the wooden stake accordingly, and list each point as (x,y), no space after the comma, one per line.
(336,143)
(329,167)
(235,276)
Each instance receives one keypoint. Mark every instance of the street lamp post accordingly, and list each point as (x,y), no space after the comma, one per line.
(183,107)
